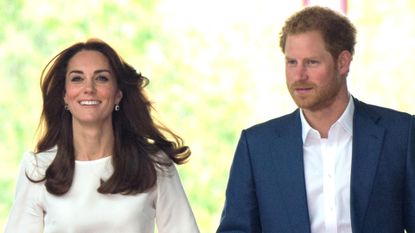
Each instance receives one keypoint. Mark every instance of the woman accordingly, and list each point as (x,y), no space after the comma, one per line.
(102,164)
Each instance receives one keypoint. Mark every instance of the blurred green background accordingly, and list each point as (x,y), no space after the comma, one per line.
(214,65)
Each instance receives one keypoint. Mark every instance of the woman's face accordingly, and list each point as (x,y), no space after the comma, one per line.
(91,90)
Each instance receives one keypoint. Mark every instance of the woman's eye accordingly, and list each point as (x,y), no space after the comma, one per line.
(76,79)
(102,78)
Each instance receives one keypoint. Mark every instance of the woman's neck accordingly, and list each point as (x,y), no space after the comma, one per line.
(91,143)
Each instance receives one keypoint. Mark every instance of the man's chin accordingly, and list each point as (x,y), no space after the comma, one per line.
(304,103)
(308,105)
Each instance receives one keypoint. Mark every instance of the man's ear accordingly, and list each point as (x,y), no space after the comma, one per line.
(343,62)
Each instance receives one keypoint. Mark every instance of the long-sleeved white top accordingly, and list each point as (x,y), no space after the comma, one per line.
(83,210)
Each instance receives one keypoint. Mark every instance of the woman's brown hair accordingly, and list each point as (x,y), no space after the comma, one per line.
(137,137)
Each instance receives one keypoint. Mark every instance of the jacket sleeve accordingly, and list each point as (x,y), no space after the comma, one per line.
(409,202)
(240,213)
(26,215)
(173,211)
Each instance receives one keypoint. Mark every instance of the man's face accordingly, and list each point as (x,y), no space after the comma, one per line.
(312,75)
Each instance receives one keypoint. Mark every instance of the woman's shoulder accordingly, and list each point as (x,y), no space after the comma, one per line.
(164,165)
(35,164)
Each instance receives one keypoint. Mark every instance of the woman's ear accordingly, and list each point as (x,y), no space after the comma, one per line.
(64,98)
(118,96)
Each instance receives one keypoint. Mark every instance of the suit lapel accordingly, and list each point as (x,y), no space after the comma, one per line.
(367,143)
(289,167)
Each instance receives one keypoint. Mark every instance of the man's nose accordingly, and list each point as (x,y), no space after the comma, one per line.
(301,72)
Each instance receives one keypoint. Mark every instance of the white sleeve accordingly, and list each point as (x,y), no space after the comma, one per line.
(26,214)
(173,212)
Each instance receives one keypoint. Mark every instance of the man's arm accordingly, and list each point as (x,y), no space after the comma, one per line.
(409,201)
(240,213)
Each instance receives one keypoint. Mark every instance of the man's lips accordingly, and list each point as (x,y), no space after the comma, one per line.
(301,89)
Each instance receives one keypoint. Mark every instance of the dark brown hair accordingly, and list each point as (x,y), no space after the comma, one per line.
(337,31)
(137,137)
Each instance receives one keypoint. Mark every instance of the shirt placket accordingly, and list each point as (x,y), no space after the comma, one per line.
(329,185)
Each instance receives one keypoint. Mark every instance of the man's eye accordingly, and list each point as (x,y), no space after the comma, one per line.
(312,62)
(291,62)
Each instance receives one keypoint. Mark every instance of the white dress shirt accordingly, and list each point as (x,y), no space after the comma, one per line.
(327,167)
(83,210)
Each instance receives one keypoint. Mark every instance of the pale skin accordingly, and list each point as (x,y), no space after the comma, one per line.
(316,81)
(91,93)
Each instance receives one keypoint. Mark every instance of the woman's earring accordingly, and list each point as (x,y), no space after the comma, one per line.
(117,107)
(66,107)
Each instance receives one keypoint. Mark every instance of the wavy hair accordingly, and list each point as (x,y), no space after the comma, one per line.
(337,31)
(137,136)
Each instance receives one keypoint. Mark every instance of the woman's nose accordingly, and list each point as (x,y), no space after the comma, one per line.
(89,86)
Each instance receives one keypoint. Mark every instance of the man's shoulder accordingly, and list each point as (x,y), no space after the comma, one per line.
(285,122)
(379,112)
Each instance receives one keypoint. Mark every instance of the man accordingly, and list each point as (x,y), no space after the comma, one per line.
(335,165)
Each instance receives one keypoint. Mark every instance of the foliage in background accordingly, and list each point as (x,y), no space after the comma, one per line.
(214,68)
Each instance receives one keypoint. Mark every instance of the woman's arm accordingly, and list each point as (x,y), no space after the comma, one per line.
(26,215)
(173,212)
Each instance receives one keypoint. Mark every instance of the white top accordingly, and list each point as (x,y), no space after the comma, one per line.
(83,210)
(327,167)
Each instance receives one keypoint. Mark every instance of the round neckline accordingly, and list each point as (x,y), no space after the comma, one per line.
(103,159)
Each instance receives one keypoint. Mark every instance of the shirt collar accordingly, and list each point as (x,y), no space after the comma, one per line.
(345,120)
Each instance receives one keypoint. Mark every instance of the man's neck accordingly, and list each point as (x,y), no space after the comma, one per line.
(322,119)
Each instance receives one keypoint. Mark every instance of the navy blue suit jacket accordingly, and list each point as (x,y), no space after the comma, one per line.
(266,189)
